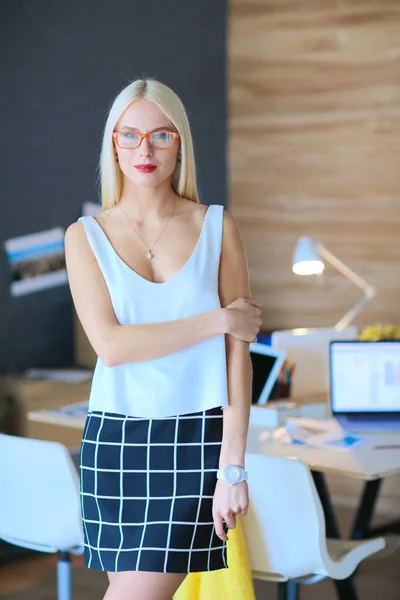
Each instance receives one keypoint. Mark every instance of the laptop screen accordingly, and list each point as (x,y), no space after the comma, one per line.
(365,377)
(266,363)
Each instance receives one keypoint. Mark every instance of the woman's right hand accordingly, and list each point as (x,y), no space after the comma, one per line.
(244,319)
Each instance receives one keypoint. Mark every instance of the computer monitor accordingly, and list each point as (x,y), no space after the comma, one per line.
(267,363)
(365,382)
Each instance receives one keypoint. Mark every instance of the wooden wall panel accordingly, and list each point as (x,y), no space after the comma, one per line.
(314,149)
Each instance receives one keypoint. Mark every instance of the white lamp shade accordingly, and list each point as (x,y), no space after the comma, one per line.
(305,258)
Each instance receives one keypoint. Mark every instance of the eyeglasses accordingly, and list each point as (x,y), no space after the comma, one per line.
(162,140)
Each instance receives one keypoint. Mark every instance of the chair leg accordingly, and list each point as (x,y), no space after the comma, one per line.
(345,589)
(64,577)
(288,590)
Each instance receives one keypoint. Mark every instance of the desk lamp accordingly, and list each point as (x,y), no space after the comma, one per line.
(307,261)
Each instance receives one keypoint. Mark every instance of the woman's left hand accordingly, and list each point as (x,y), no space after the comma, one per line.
(229,501)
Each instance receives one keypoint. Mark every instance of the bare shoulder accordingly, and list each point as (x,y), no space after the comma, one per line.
(195,212)
(233,271)
(108,216)
(190,209)
(75,235)
(73,230)
(77,248)
(231,238)
(230,223)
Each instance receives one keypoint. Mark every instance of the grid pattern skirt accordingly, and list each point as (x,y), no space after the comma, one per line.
(147,489)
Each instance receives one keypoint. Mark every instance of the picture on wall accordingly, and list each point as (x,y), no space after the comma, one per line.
(36,261)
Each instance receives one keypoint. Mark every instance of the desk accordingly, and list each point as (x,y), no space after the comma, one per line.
(363,463)
(54,426)
(24,395)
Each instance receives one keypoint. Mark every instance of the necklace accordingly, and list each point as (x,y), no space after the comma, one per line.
(149,250)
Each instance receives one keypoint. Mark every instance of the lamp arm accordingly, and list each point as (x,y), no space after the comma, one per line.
(369,290)
(351,314)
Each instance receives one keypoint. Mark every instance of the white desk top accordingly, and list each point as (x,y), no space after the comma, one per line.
(56,417)
(362,463)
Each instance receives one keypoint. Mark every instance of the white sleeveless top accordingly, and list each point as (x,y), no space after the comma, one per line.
(190,380)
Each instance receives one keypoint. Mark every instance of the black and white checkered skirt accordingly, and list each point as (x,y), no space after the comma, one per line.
(147,489)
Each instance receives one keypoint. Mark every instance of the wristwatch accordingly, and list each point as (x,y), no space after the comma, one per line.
(232,474)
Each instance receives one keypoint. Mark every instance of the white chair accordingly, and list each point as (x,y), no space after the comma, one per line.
(39,501)
(285,528)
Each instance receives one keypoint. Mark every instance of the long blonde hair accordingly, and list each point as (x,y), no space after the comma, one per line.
(184,176)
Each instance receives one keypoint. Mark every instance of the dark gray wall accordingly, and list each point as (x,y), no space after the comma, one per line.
(63,63)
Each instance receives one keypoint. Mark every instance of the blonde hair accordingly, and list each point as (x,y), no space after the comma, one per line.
(184,176)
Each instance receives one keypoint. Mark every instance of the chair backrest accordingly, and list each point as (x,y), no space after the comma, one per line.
(285,525)
(39,498)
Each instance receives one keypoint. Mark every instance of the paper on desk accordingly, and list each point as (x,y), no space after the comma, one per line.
(69,415)
(320,433)
(75,409)
(66,375)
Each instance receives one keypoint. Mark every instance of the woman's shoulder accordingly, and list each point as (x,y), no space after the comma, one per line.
(77,233)
(230,230)
(189,213)
(195,213)
(73,231)
(190,209)
(76,243)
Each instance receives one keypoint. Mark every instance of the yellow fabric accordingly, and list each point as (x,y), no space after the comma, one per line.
(234,583)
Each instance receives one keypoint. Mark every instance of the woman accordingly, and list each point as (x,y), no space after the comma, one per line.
(148,277)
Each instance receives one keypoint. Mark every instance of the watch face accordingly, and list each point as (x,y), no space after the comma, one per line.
(232,474)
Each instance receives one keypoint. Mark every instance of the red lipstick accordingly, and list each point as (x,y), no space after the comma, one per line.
(146,168)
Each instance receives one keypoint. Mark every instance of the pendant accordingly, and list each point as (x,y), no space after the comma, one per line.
(149,256)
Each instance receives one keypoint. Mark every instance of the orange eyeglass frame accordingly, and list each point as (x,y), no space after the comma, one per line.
(147,136)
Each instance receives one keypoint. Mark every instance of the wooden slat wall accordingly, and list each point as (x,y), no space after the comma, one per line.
(314,149)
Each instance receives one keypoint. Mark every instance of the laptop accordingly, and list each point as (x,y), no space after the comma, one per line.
(267,363)
(365,385)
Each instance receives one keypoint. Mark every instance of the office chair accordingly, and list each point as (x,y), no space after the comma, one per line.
(285,528)
(40,503)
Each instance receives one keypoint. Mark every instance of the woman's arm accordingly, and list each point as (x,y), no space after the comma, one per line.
(234,282)
(117,344)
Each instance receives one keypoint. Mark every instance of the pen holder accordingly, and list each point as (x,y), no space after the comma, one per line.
(282,386)
(280,390)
